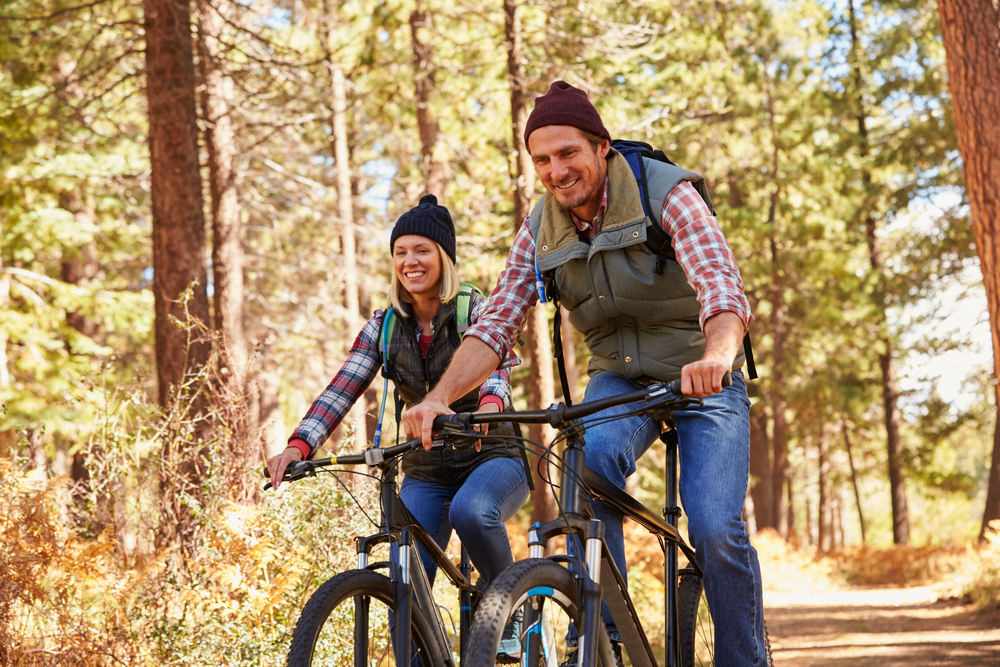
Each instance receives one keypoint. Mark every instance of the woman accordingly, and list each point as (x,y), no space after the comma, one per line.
(485,488)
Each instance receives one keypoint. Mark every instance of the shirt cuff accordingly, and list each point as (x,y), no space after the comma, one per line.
(491,398)
(302,446)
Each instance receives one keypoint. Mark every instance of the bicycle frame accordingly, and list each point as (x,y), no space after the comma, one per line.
(406,570)
(599,570)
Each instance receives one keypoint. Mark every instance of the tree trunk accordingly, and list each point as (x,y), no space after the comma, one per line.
(178,218)
(272,421)
(178,254)
(435,168)
(971,32)
(345,202)
(854,480)
(824,516)
(890,391)
(762,491)
(227,230)
(779,328)
(539,350)
(81,265)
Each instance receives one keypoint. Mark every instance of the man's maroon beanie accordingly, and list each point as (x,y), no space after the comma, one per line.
(565,105)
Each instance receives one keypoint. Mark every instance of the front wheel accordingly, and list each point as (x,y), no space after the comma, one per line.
(696,633)
(524,617)
(346,624)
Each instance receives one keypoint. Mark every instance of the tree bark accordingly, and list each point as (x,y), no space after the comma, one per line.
(178,254)
(435,168)
(81,265)
(971,32)
(227,230)
(824,515)
(178,218)
(779,329)
(890,390)
(539,351)
(854,480)
(345,200)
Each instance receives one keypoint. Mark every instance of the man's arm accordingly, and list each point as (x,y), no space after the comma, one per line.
(708,262)
(473,362)
(486,342)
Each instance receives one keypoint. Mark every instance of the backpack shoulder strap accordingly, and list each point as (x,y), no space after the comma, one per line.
(385,337)
(463,306)
(388,326)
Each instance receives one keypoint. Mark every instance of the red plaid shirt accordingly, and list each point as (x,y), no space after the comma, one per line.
(701,248)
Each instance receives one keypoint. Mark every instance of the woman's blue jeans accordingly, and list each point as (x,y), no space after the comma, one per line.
(489,496)
(715,467)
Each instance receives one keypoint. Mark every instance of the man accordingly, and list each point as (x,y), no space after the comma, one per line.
(686,321)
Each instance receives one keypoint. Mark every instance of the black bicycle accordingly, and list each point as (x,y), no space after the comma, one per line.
(351,618)
(542,596)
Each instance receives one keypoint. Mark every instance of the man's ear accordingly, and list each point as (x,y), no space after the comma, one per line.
(604,148)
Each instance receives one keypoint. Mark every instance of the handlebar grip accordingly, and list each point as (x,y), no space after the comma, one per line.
(727,381)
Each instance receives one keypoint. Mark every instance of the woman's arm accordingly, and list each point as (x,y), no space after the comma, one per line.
(330,407)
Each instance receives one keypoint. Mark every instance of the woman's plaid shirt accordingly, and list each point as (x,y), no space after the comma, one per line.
(701,248)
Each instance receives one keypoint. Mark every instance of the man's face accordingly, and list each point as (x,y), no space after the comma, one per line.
(569,167)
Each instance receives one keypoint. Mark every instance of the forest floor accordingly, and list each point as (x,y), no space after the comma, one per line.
(816,619)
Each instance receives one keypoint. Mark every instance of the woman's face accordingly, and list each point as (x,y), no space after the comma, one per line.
(417,264)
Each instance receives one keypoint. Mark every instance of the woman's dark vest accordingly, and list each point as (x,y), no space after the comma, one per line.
(415,375)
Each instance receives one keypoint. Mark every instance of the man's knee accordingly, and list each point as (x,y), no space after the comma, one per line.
(715,534)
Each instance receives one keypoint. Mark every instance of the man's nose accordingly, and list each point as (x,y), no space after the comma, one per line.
(559,170)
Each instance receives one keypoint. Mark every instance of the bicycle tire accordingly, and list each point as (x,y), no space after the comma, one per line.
(314,629)
(531,581)
(696,631)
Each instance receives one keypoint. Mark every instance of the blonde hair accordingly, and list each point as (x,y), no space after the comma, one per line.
(450,285)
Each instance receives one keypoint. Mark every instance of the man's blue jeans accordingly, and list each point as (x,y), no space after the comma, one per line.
(489,496)
(715,468)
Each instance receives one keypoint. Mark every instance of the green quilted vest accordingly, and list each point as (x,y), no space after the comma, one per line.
(636,323)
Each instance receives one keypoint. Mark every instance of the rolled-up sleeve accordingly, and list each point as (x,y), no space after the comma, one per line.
(704,254)
(502,319)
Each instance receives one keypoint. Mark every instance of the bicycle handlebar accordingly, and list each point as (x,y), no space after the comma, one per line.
(457,424)
(559,412)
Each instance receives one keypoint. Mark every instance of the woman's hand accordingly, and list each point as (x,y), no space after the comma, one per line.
(276,464)
(488,406)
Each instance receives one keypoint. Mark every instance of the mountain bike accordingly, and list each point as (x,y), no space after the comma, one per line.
(546,595)
(352,617)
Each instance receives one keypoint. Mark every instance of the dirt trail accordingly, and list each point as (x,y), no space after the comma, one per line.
(880,627)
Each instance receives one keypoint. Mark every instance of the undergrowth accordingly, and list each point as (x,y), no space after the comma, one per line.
(163,554)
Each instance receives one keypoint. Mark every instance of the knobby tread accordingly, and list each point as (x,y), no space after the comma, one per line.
(497,606)
(345,586)
(688,599)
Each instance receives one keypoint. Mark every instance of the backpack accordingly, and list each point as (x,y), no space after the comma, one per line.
(657,241)
(463,311)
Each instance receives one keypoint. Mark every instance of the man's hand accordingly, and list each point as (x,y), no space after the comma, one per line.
(703,378)
(418,421)
(276,464)
(723,338)
(485,428)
